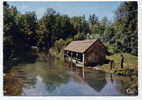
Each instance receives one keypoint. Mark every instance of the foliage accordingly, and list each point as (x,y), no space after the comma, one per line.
(19,34)
(53,30)
(52,27)
(59,44)
(126,28)
(79,36)
(80,24)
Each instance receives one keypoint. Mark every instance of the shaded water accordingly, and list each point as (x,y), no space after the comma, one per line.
(50,76)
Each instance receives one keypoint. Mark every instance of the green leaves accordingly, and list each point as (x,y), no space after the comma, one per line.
(22,31)
(126,27)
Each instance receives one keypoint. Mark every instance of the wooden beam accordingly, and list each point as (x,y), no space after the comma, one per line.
(83,75)
(83,58)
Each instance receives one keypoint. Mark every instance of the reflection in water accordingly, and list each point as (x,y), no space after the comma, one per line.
(49,76)
(103,83)
(96,80)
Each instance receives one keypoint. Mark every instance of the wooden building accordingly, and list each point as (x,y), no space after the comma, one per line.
(85,52)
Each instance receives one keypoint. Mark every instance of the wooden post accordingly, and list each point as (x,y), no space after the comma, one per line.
(68,56)
(83,73)
(71,60)
(76,62)
(111,78)
(122,60)
(65,56)
(111,64)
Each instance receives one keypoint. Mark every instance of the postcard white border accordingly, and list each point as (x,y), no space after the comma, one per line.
(139,97)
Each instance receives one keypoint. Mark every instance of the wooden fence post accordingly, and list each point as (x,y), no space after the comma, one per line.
(111,64)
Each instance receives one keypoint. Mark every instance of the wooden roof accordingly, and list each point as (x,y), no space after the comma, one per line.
(79,46)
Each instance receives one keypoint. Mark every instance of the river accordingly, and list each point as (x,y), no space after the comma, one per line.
(49,76)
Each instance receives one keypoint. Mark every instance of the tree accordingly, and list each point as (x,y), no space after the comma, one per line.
(28,26)
(126,27)
(109,34)
(52,27)
(95,27)
(93,19)
(80,24)
(59,44)
(19,34)
(80,36)
(22,31)
(10,29)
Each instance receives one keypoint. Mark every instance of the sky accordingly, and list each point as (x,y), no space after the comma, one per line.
(100,9)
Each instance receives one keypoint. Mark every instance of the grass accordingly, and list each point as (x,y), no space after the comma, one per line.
(130,70)
(54,53)
(130,64)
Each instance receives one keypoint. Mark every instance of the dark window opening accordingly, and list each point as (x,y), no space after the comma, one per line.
(79,56)
(75,55)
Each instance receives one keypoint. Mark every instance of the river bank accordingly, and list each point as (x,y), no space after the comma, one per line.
(130,69)
(24,78)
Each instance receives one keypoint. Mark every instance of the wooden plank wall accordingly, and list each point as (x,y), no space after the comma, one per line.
(96,53)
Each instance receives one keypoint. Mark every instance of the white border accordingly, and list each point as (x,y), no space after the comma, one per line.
(1,48)
(139,97)
(70,0)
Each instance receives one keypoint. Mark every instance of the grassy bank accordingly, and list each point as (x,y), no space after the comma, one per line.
(130,70)
(57,54)
(130,64)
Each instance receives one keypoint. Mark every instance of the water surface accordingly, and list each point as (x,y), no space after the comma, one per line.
(49,76)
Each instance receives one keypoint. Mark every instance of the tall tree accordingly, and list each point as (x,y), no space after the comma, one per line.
(19,34)
(52,27)
(93,19)
(80,24)
(96,27)
(126,27)
(10,30)
(28,26)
